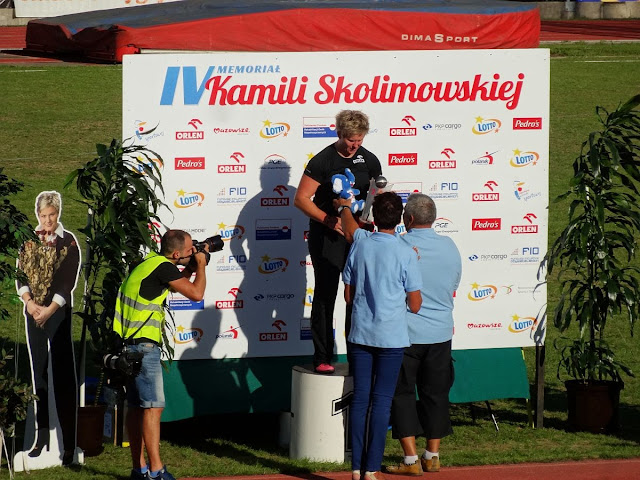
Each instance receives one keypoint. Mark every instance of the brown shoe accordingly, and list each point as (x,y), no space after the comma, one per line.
(432,465)
(414,469)
(373,476)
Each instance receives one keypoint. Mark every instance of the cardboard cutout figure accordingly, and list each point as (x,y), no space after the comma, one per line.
(51,267)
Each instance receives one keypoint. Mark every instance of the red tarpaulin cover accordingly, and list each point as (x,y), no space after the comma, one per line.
(289,25)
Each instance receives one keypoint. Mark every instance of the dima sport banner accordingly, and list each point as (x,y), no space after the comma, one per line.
(235,131)
(54,8)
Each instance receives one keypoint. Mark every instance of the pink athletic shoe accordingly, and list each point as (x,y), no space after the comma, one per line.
(324,368)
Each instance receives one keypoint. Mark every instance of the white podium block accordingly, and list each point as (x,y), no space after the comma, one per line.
(320,414)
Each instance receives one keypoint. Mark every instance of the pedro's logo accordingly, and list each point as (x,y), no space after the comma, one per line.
(274,129)
(188,199)
(481,292)
(520,324)
(272,265)
(523,159)
(187,335)
(229,232)
(483,126)
(308,297)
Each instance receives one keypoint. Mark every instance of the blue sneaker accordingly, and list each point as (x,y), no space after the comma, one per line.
(136,475)
(163,475)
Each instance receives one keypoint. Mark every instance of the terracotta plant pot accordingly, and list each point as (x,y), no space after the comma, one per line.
(90,427)
(593,406)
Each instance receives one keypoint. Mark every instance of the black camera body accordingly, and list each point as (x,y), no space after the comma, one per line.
(124,363)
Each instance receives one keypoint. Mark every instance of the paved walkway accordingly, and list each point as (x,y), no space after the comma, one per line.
(586,470)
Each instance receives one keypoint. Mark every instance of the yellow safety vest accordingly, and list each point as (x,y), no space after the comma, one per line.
(132,310)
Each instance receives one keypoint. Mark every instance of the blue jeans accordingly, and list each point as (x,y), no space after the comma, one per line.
(147,389)
(375,373)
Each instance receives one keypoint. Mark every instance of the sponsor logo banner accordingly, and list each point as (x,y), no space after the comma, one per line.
(527,123)
(273,229)
(318,127)
(482,224)
(403,159)
(189,163)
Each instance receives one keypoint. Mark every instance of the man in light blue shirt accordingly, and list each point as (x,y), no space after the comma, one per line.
(427,362)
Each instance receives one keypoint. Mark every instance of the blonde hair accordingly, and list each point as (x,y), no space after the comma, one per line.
(351,122)
(48,199)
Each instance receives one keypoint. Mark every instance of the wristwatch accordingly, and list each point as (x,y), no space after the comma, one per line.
(340,208)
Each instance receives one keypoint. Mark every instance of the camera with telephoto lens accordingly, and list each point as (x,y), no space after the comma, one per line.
(125,362)
(215,245)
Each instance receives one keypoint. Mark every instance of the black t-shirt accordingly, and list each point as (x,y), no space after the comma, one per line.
(158,280)
(364,165)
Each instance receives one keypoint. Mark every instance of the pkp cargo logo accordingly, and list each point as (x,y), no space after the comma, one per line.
(403,159)
(276,336)
(521,324)
(187,335)
(444,226)
(479,293)
(441,127)
(270,265)
(527,228)
(527,123)
(484,224)
(447,162)
(318,127)
(524,159)
(237,167)
(193,131)
(229,232)
(482,126)
(188,199)
(275,161)
(274,129)
(234,303)
(487,196)
(408,130)
(189,163)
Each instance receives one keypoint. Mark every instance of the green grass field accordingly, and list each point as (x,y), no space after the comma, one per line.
(52,117)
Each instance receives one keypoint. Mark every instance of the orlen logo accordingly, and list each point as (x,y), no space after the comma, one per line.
(231,304)
(490,196)
(403,159)
(486,159)
(483,126)
(527,123)
(275,129)
(234,167)
(448,163)
(229,232)
(308,298)
(523,159)
(280,201)
(408,131)
(272,265)
(278,336)
(530,228)
(188,199)
(481,292)
(231,334)
(194,133)
(520,324)
(481,224)
(189,163)
(187,335)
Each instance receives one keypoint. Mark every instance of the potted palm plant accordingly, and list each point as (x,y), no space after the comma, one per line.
(592,258)
(119,188)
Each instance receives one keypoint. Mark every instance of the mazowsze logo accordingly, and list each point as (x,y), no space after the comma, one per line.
(234,303)
(523,159)
(274,129)
(522,191)
(189,163)
(237,167)
(527,228)
(482,126)
(448,162)
(187,335)
(484,326)
(272,265)
(444,226)
(194,131)
(229,232)
(145,132)
(530,123)
(489,195)
(280,200)
(275,161)
(231,334)
(444,190)
(231,130)
(277,336)
(480,224)
(520,324)
(188,199)
(408,130)
(482,292)
(403,159)
(486,159)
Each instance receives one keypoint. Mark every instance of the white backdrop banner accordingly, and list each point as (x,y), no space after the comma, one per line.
(54,8)
(470,128)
